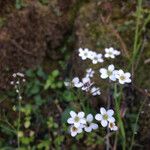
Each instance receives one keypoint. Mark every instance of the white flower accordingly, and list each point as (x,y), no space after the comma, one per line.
(123,77)
(112,126)
(86,84)
(74,130)
(95,91)
(96,58)
(76,82)
(111,53)
(76,119)
(84,53)
(89,72)
(108,73)
(89,126)
(105,116)
(20,74)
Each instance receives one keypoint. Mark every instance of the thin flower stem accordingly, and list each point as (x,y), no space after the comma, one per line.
(137,118)
(19,116)
(120,121)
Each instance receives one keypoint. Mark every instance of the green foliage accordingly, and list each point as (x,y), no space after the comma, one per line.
(53,81)
(44,2)
(19,4)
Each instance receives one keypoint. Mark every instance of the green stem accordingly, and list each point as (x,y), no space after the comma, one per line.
(120,121)
(134,130)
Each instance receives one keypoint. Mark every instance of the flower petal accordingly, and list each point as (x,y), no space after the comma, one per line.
(104,123)
(94,126)
(89,118)
(103,110)
(81,114)
(111,67)
(110,112)
(98,117)
(88,129)
(70,121)
(111,119)
(72,114)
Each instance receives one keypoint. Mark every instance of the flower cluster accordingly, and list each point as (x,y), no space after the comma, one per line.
(85,84)
(113,74)
(106,118)
(80,123)
(88,54)
(18,79)
(111,53)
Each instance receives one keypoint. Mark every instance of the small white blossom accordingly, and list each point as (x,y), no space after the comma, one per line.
(105,116)
(20,74)
(14,75)
(111,53)
(89,126)
(76,119)
(84,53)
(112,126)
(74,130)
(123,77)
(97,58)
(89,73)
(108,73)
(95,91)
(12,82)
(86,84)
(76,82)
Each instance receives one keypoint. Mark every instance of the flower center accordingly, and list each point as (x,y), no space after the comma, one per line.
(95,58)
(110,53)
(74,129)
(85,54)
(111,125)
(109,73)
(122,77)
(76,119)
(105,117)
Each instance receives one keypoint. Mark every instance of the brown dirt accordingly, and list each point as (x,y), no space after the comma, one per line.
(28,35)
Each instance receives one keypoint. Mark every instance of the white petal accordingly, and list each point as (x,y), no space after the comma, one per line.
(88,129)
(72,114)
(94,61)
(83,121)
(121,81)
(79,130)
(78,85)
(112,77)
(103,71)
(70,120)
(106,50)
(111,68)
(103,110)
(127,74)
(89,118)
(75,80)
(104,123)
(73,134)
(98,117)
(120,72)
(81,114)
(115,128)
(104,76)
(94,126)
(111,119)
(77,124)
(128,80)
(110,112)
